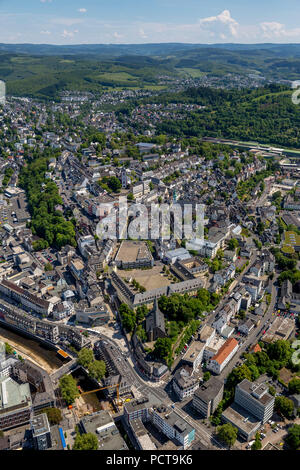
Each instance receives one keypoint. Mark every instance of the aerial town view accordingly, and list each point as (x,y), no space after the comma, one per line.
(149,228)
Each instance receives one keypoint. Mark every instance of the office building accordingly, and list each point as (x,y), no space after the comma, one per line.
(15,403)
(102,424)
(170,423)
(253,406)
(41,433)
(256,399)
(208,396)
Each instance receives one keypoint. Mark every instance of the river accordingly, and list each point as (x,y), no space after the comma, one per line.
(33,350)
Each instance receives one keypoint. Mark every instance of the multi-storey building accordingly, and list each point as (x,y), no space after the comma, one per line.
(184,384)
(137,409)
(15,403)
(41,433)
(256,399)
(194,355)
(32,302)
(208,396)
(252,407)
(103,426)
(115,367)
(170,423)
(226,352)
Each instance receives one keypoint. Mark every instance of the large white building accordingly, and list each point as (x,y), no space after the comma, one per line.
(217,363)
(173,426)
(255,398)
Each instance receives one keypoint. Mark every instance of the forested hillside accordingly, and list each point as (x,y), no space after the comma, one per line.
(265,114)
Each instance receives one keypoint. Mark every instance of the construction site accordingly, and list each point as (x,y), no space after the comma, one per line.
(93,399)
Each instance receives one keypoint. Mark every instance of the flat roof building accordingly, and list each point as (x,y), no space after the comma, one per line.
(208,396)
(194,355)
(139,408)
(255,398)
(15,403)
(141,435)
(102,424)
(245,422)
(281,328)
(41,432)
(170,423)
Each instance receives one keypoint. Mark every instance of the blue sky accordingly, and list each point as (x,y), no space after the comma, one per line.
(145,21)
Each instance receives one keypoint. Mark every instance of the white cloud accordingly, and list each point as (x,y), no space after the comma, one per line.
(221,24)
(69,34)
(223,27)
(46,1)
(142,33)
(82,10)
(273,29)
(117,35)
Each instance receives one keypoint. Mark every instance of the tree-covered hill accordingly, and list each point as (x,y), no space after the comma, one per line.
(265,114)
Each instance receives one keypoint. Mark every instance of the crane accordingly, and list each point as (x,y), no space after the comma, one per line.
(103,388)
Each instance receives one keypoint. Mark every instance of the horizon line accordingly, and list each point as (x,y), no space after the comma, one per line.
(153,43)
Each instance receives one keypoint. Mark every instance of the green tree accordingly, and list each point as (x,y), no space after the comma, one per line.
(279,351)
(128,317)
(206,376)
(141,313)
(257,445)
(97,369)
(272,390)
(68,389)
(294,385)
(86,441)
(85,357)
(112,183)
(48,267)
(54,415)
(227,434)
(162,348)
(8,349)
(293,437)
(237,375)
(284,406)
(233,244)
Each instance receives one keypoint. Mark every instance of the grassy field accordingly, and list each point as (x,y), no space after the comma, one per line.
(194,73)
(291,239)
(117,76)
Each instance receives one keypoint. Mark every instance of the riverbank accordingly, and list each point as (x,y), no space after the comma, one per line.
(33,352)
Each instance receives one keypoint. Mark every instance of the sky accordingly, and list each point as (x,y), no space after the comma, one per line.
(149,21)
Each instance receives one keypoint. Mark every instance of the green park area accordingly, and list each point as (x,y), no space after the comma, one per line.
(291,241)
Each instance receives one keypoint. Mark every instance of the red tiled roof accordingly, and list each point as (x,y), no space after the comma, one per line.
(225,350)
(256,348)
